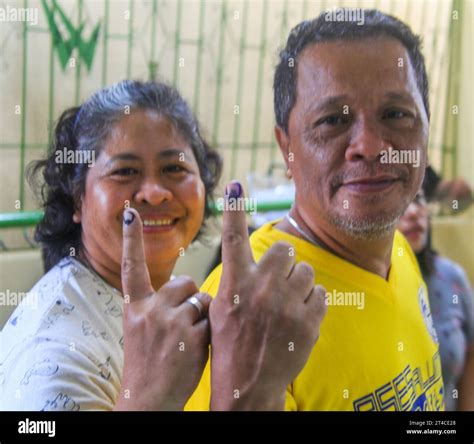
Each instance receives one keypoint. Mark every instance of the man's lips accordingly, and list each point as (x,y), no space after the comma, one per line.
(372,179)
(371,184)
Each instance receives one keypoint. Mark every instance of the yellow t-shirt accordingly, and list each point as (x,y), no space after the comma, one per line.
(377,348)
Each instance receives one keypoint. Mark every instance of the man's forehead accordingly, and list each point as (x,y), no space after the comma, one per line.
(346,67)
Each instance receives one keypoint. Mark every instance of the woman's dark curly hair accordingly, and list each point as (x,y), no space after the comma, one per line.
(85,128)
(426,257)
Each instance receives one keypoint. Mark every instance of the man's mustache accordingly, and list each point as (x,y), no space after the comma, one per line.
(369,171)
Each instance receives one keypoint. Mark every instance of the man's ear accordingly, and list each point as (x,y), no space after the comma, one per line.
(284,142)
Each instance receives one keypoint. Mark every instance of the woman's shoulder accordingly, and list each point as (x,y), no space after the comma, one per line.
(449,269)
(451,277)
(68,302)
(66,334)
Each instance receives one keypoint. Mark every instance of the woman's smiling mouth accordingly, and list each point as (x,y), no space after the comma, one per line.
(159,223)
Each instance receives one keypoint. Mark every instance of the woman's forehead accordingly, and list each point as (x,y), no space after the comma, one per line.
(144,131)
(141,123)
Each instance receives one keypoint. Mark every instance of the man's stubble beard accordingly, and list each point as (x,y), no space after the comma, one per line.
(370,228)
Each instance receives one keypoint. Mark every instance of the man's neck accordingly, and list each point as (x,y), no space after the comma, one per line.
(373,256)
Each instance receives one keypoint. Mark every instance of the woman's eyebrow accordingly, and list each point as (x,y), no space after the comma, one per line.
(123,156)
(164,154)
(172,152)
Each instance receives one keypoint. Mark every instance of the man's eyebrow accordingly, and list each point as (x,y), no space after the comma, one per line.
(339,100)
(395,95)
(327,103)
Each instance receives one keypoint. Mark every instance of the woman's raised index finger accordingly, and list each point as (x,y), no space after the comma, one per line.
(136,281)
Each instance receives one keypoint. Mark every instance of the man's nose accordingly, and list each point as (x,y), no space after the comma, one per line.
(367,142)
(153,192)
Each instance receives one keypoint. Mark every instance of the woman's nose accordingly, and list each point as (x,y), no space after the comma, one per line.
(413,211)
(153,192)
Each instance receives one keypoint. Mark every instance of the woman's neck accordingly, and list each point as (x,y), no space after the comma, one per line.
(112,274)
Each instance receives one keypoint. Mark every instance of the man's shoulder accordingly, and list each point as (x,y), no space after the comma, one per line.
(402,250)
(265,236)
(260,240)
(211,284)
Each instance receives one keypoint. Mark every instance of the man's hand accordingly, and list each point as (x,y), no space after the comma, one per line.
(265,320)
(165,338)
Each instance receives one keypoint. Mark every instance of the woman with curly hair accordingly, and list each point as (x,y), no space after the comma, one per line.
(133,150)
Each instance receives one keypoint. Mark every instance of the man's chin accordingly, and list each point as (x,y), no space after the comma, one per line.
(370,228)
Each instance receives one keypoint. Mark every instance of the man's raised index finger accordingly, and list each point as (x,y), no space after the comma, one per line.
(136,281)
(236,251)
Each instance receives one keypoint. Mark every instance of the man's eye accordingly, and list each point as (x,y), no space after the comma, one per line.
(331,120)
(395,114)
(125,172)
(173,169)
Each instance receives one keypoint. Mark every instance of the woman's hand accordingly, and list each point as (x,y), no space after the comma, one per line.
(166,338)
(265,320)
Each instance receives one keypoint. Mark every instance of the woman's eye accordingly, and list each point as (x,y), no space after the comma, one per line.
(173,169)
(125,172)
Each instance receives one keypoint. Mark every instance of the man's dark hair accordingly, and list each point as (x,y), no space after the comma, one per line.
(376,24)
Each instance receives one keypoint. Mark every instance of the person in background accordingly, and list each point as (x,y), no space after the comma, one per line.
(451,301)
(447,191)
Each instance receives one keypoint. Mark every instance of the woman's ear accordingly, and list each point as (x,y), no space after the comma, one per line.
(76,217)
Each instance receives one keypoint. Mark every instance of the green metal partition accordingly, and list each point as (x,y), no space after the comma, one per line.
(220,54)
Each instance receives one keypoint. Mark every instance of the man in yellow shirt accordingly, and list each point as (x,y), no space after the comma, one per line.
(377,349)
(352,114)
